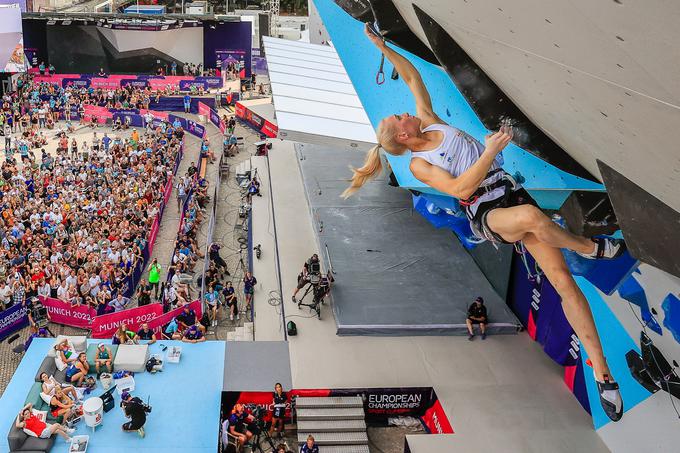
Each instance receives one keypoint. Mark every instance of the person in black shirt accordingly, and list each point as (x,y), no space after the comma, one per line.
(279,412)
(476,315)
(143,294)
(135,410)
(146,334)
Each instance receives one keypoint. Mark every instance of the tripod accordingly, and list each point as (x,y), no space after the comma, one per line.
(315,305)
(263,436)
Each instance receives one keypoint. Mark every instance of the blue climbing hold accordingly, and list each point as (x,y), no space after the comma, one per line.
(671,320)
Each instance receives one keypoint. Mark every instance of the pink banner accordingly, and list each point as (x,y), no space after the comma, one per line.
(168,190)
(159,84)
(104,82)
(105,326)
(158,322)
(153,233)
(62,312)
(101,113)
(56,79)
(204,110)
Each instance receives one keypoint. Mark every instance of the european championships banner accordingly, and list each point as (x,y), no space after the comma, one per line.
(13,319)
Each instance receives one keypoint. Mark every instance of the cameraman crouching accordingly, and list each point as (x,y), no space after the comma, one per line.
(239,422)
(136,411)
(311,268)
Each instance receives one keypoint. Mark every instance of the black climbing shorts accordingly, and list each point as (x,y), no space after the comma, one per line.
(517,198)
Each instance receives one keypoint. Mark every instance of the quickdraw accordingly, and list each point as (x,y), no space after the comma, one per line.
(380,76)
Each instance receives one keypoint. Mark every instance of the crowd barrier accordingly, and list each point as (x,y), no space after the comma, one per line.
(256,122)
(119,80)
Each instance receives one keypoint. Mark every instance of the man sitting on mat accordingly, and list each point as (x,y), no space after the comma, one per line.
(476,315)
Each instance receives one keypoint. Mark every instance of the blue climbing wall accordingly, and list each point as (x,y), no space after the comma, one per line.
(626,298)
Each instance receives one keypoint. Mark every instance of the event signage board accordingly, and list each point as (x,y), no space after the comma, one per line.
(211,82)
(105,82)
(435,419)
(186,85)
(77,83)
(106,325)
(256,121)
(203,109)
(61,312)
(137,83)
(13,319)
(380,404)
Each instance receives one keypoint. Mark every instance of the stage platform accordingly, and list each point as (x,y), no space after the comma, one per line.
(185,398)
(396,274)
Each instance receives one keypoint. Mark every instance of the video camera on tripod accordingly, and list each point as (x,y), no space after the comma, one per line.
(37,313)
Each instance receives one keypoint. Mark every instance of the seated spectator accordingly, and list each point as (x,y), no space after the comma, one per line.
(212,302)
(65,354)
(170,330)
(34,427)
(76,372)
(310,446)
(103,357)
(61,405)
(187,318)
(50,386)
(123,335)
(476,315)
(193,334)
(144,333)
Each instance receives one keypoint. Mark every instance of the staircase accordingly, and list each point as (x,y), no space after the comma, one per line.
(337,423)
(242,333)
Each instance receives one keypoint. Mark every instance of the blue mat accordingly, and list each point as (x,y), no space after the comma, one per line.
(185,398)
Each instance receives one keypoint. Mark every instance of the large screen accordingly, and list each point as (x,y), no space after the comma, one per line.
(11,39)
(89,48)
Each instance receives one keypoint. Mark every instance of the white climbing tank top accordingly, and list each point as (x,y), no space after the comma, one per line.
(457,152)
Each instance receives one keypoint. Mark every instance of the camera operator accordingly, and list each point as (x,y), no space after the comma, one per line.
(310,271)
(37,314)
(239,422)
(134,409)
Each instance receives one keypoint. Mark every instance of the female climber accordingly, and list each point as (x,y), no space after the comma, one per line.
(498,208)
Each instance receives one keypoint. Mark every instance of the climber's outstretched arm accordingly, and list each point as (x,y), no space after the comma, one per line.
(410,75)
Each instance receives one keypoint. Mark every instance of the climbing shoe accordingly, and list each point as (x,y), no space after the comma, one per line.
(606,249)
(610,398)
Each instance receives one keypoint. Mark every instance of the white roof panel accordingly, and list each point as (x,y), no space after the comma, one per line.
(314,98)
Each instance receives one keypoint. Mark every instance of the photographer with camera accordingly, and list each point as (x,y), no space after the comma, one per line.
(134,409)
(311,273)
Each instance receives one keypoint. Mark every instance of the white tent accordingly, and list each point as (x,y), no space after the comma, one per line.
(314,98)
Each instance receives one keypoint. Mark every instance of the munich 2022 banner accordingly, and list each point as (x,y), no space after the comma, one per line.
(106,325)
(61,312)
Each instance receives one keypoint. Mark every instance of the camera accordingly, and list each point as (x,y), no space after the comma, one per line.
(38,312)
